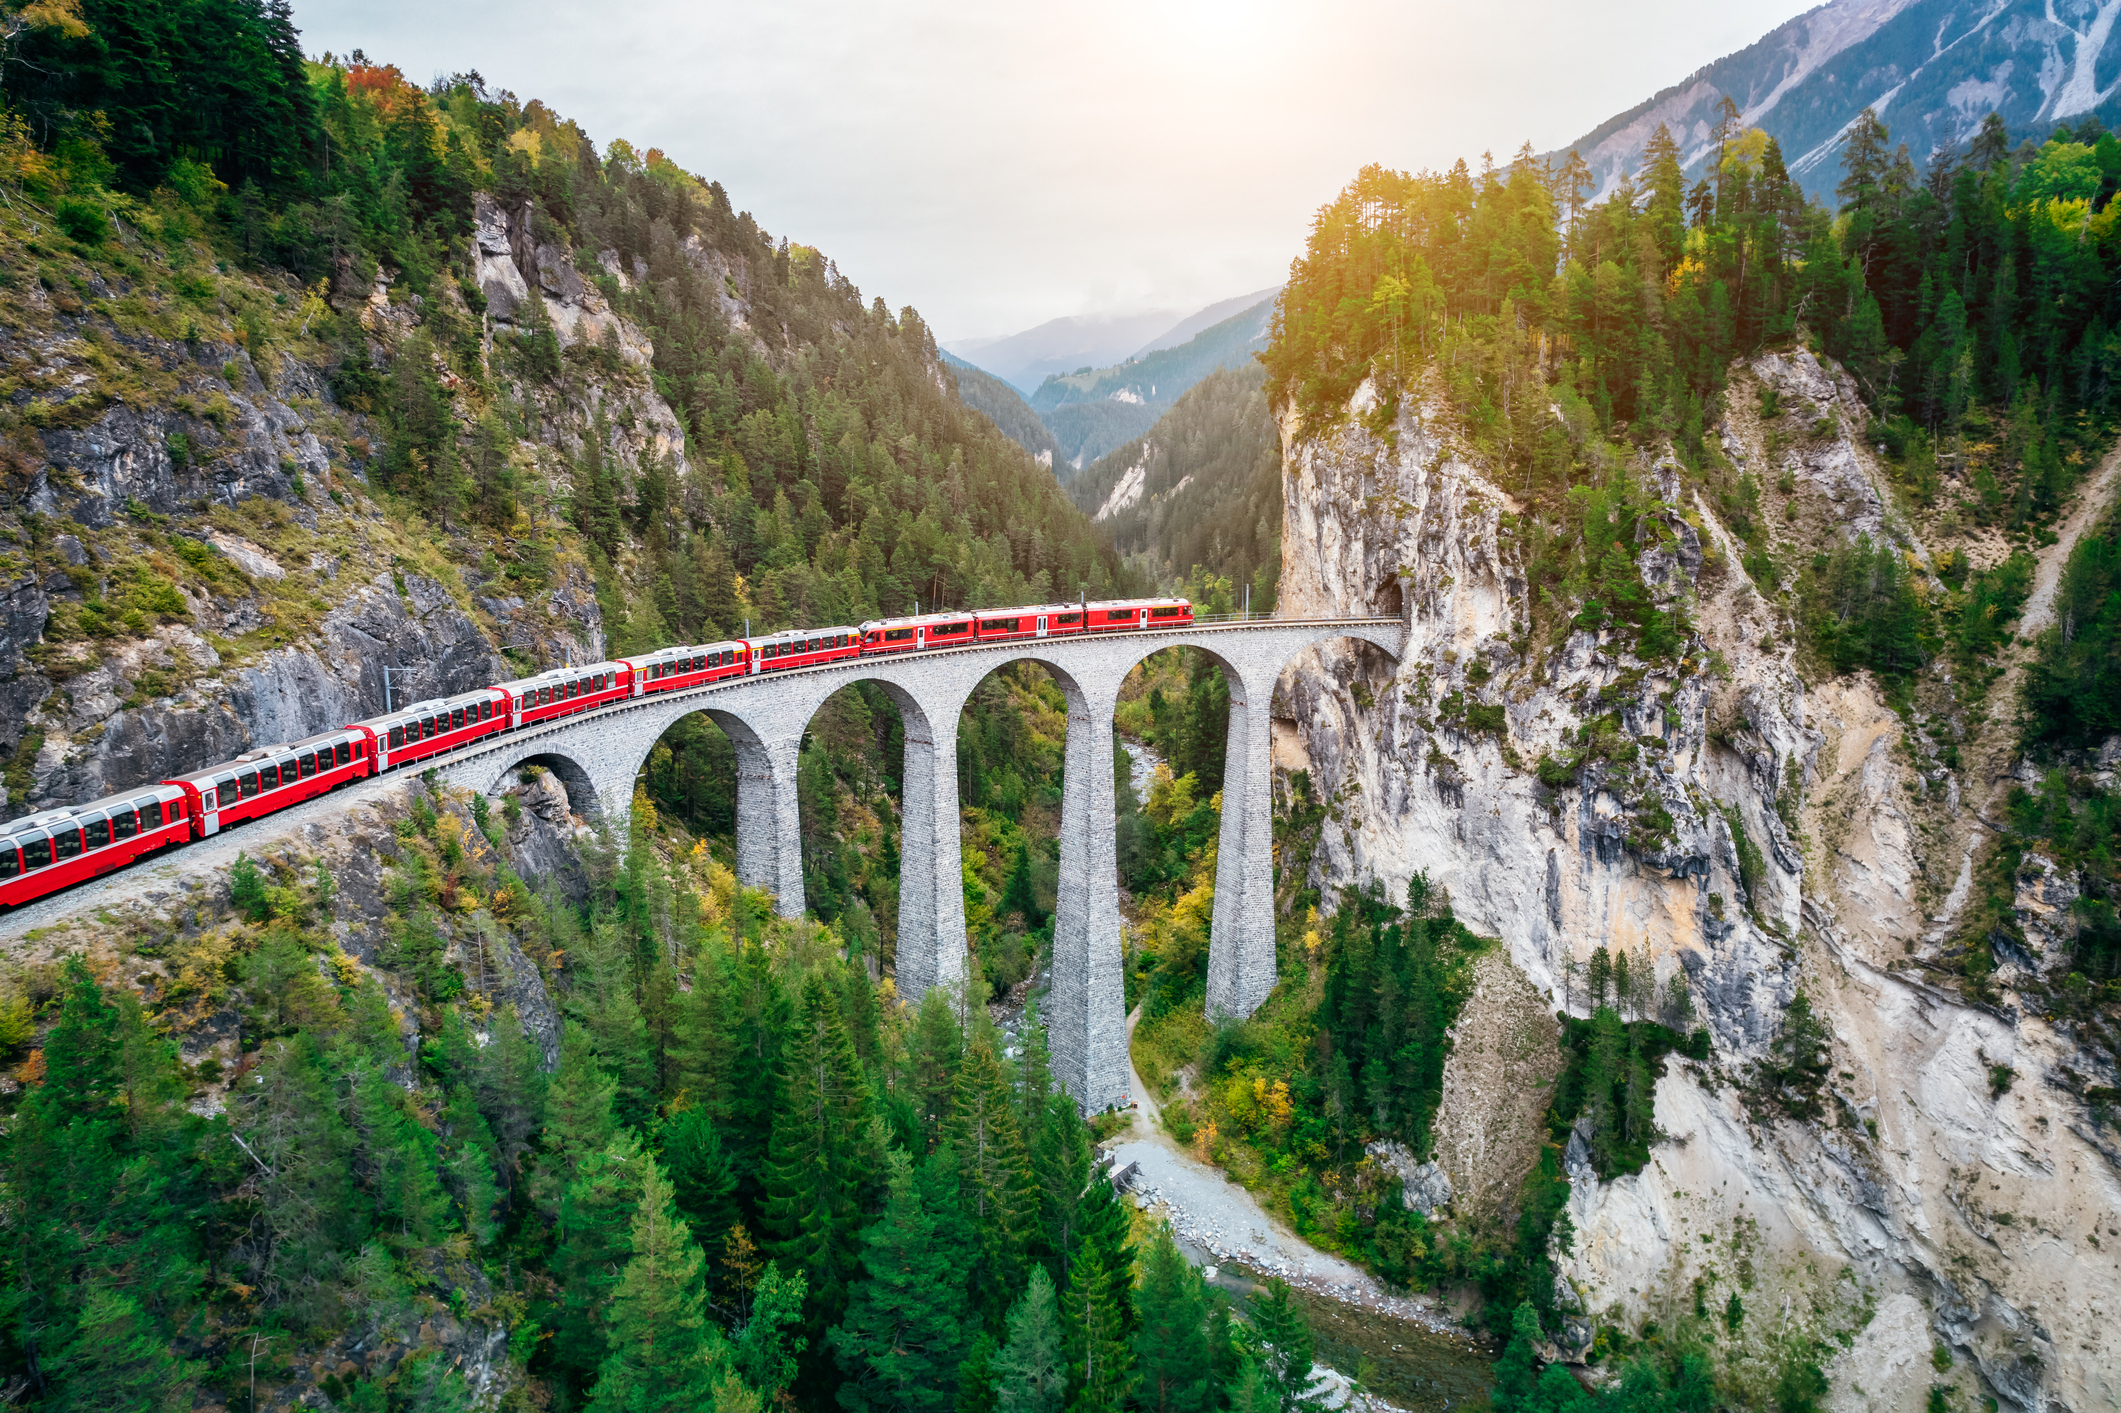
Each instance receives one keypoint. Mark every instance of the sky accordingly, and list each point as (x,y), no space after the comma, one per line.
(999,165)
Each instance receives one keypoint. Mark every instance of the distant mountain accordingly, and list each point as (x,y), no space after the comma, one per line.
(1093,411)
(984,393)
(1933,69)
(1201,488)
(1214,314)
(1061,345)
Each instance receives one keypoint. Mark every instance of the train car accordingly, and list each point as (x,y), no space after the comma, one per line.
(431,727)
(565,691)
(675,669)
(52,850)
(804,647)
(917,634)
(730,658)
(1136,615)
(1046,620)
(274,777)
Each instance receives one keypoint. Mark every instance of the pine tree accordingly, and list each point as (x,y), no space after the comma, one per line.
(118,1360)
(699,1173)
(994,1180)
(578,1117)
(902,1339)
(596,1218)
(1100,1365)
(1285,1339)
(1171,1361)
(1031,1371)
(664,1355)
(823,1157)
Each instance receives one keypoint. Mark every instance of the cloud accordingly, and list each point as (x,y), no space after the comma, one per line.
(999,165)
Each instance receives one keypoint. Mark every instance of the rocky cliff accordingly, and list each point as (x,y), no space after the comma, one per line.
(1756,829)
(192,562)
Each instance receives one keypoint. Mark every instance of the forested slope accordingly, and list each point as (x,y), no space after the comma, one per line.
(312,372)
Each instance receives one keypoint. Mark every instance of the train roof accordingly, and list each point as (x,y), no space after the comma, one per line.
(48,819)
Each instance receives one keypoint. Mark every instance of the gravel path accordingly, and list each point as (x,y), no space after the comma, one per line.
(1209,1212)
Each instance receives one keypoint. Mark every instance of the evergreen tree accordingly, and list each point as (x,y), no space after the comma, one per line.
(1285,1342)
(1031,1371)
(664,1355)
(1171,1362)
(902,1339)
(994,1180)
(595,1242)
(823,1158)
(118,1360)
(1100,1364)
(578,1117)
(699,1173)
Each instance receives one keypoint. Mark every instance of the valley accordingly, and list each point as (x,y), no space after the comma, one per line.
(1664,956)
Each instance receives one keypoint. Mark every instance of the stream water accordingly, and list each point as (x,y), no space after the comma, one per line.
(1405,1364)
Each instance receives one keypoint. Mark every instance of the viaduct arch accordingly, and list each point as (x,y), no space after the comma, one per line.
(598,756)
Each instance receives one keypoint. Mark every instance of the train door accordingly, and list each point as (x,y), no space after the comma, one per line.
(920,635)
(1145,618)
(1042,625)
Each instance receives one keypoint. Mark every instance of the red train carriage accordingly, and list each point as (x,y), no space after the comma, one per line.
(928,630)
(1135,615)
(431,727)
(49,851)
(804,647)
(274,777)
(564,691)
(675,669)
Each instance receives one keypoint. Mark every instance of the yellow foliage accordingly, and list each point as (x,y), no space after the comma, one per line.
(347,969)
(1171,798)
(645,817)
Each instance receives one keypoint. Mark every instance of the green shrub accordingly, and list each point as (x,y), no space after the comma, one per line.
(82,220)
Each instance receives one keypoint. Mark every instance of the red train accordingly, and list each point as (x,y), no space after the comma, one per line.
(45,852)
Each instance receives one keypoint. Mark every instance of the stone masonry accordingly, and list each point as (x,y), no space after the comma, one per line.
(599,756)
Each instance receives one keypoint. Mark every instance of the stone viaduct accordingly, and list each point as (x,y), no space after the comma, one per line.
(599,755)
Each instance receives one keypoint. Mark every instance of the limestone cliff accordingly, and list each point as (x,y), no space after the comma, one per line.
(1755,830)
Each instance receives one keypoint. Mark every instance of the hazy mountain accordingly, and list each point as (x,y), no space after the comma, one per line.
(1214,314)
(984,393)
(1932,69)
(1201,488)
(1095,410)
(1060,345)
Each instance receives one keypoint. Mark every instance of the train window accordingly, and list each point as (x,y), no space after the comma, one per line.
(247,783)
(1163,613)
(268,777)
(1117,615)
(897,635)
(10,859)
(66,843)
(1071,618)
(343,752)
(124,824)
(151,812)
(98,831)
(36,853)
(397,737)
(308,764)
(714,659)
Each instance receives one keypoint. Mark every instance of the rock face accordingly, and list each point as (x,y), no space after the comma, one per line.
(1764,837)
